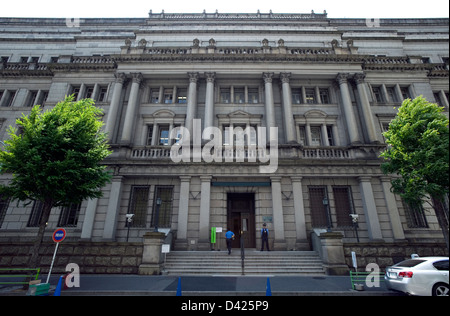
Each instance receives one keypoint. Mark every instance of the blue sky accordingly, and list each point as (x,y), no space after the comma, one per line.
(140,8)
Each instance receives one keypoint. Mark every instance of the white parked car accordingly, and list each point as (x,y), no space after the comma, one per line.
(424,276)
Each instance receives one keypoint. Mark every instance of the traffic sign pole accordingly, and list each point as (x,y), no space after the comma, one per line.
(57,237)
(53,260)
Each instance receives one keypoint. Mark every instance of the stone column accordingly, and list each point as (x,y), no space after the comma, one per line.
(348,109)
(114,108)
(299,215)
(209,101)
(191,101)
(205,202)
(443,98)
(183,212)
(289,125)
(109,231)
(133,104)
(270,106)
(89,218)
(391,204)
(278,220)
(370,209)
(365,107)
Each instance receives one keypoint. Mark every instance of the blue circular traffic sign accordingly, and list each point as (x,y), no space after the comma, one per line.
(59,235)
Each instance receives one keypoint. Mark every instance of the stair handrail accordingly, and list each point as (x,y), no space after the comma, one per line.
(242,253)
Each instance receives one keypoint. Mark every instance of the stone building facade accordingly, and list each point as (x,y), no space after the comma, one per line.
(327,88)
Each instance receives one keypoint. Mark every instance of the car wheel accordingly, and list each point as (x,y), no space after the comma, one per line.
(440,290)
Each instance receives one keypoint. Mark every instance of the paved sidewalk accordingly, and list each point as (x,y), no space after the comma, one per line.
(127,285)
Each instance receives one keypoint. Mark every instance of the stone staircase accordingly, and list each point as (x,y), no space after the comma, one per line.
(256,263)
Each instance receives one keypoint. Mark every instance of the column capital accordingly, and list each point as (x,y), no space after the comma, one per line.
(285,77)
(210,76)
(193,77)
(137,77)
(205,178)
(120,77)
(267,77)
(296,178)
(185,178)
(341,78)
(275,179)
(364,178)
(359,78)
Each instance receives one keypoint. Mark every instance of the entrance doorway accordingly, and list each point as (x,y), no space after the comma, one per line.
(241,218)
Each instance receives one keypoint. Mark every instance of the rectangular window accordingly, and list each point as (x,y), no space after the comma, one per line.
(239,95)
(344,206)
(405,93)
(69,215)
(168,96)
(36,214)
(154,96)
(415,215)
(316,137)
(324,97)
(10,96)
(31,98)
(391,94)
(225,95)
(182,96)
(164,193)
(164,135)
(102,94)
(330,135)
(310,96)
(318,209)
(377,94)
(297,96)
(4,204)
(138,205)
(253,95)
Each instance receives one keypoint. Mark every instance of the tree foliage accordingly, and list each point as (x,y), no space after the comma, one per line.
(54,156)
(418,152)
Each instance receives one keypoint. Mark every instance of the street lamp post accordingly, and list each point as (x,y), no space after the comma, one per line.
(129,221)
(327,213)
(158,204)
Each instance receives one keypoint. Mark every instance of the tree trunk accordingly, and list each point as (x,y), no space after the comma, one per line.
(34,261)
(439,209)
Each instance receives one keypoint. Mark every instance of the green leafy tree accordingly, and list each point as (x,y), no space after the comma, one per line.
(418,152)
(54,157)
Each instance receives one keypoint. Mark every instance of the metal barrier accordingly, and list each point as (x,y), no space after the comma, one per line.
(361,277)
(15,274)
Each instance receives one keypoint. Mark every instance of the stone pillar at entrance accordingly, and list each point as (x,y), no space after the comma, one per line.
(278,220)
(299,215)
(183,212)
(204,241)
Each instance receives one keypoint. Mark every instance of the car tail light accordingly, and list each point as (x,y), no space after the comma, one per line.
(406,274)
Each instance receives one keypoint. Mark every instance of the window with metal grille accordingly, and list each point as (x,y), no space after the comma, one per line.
(138,205)
(165,209)
(415,215)
(36,214)
(69,215)
(318,209)
(344,206)
(4,203)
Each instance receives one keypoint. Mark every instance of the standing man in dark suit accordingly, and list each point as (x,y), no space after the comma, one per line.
(264,237)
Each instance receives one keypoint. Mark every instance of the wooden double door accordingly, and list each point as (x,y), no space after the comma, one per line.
(241,218)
